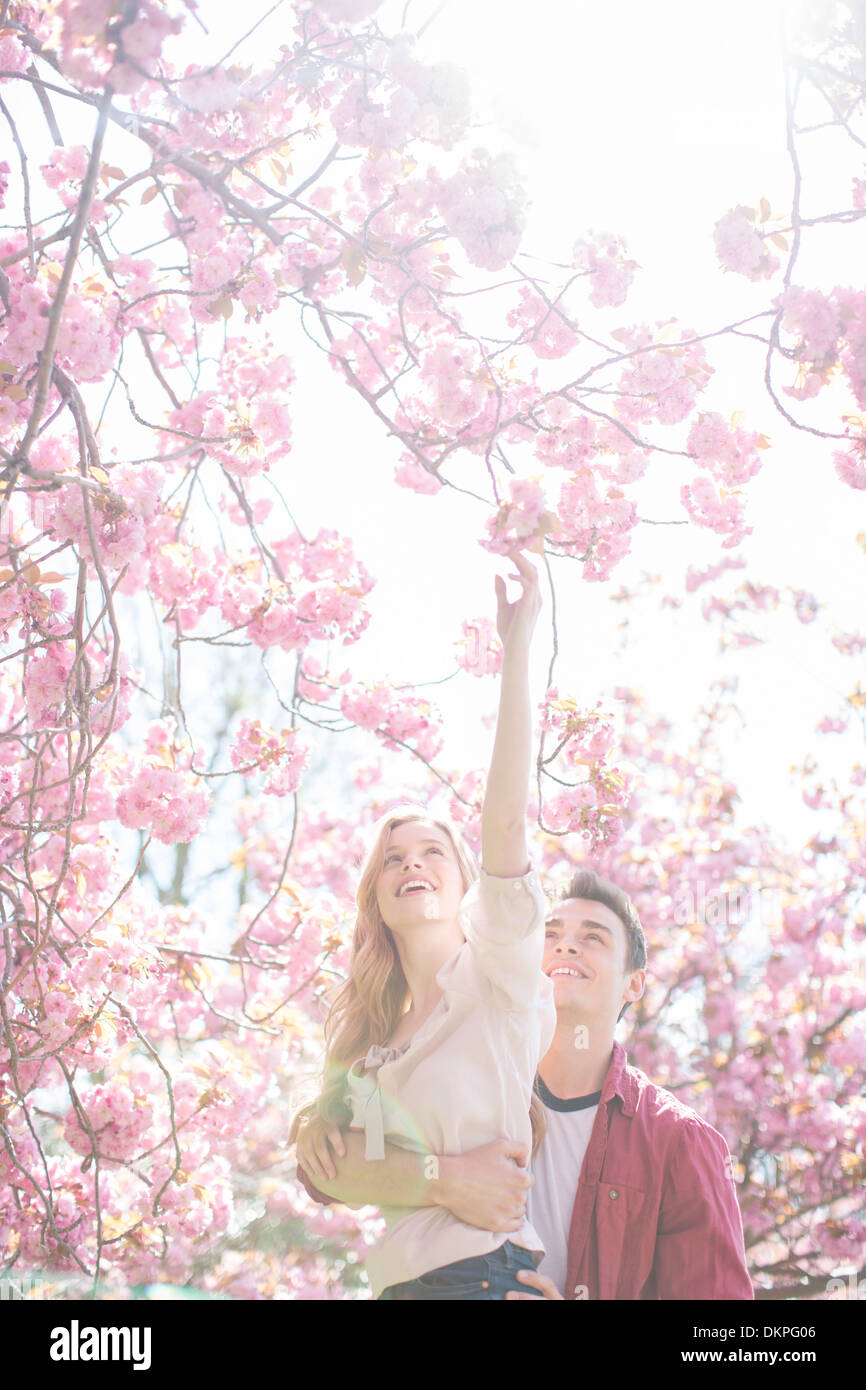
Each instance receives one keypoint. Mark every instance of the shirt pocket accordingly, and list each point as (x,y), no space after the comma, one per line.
(620,1241)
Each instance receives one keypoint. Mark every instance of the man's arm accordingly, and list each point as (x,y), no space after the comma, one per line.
(699,1247)
(485,1187)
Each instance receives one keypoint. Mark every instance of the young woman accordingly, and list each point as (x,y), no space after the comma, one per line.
(433,1041)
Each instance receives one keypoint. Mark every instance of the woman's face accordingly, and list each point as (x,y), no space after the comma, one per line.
(420,879)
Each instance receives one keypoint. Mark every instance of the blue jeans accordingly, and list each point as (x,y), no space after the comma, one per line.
(484,1278)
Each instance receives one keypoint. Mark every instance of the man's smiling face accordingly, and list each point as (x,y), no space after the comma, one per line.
(585,955)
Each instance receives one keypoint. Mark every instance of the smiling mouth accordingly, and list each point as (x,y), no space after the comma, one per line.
(415,885)
(567,970)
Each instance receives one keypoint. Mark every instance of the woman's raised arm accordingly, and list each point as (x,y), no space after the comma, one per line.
(504,851)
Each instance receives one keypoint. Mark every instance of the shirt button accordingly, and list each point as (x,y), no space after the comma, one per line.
(613,1194)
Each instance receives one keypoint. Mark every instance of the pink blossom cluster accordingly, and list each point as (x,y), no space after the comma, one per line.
(89,334)
(594,525)
(457,384)
(161,793)
(831,725)
(544,325)
(805,605)
(852,313)
(695,578)
(14,57)
(813,318)
(728,452)
(660,379)
(245,424)
(397,718)
(585,739)
(850,643)
(120,1119)
(482,205)
(851,467)
(411,473)
(479,649)
(46,683)
(283,756)
(741,248)
(568,437)
(521,522)
(322,596)
(96,44)
(411,100)
(65,171)
(184,577)
(603,257)
(830,329)
(121,511)
(716,508)
(316,683)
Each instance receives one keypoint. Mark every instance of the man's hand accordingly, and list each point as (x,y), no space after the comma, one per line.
(534,1280)
(487,1186)
(317,1145)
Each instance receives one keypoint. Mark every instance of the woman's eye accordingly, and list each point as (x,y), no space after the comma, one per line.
(434,849)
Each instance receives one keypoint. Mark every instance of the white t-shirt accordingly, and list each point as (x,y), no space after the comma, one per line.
(466,1076)
(556,1169)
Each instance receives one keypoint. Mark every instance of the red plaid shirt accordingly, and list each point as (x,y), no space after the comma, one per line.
(655,1214)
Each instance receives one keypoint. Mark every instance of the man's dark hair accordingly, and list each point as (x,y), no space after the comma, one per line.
(586,883)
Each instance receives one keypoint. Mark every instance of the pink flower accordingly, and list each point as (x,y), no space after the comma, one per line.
(740,248)
(604,258)
(851,467)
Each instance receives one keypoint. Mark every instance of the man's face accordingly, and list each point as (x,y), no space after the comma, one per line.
(585,953)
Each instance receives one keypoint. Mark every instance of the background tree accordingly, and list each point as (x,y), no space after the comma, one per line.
(177,826)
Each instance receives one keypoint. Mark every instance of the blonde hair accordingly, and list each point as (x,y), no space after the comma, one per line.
(370,1003)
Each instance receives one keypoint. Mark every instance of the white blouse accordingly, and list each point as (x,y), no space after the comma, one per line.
(465,1077)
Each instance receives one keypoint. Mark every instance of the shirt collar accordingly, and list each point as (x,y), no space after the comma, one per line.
(620,1081)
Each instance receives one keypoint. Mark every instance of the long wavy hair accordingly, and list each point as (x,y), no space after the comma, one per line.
(370,1003)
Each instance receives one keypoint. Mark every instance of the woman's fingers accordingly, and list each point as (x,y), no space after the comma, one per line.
(526,569)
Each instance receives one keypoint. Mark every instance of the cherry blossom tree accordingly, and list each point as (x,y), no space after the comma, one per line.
(169,223)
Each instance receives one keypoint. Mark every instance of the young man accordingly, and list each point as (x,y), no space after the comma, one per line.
(633,1193)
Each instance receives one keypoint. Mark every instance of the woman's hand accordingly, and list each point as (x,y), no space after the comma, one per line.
(516,621)
(317,1144)
(503,815)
